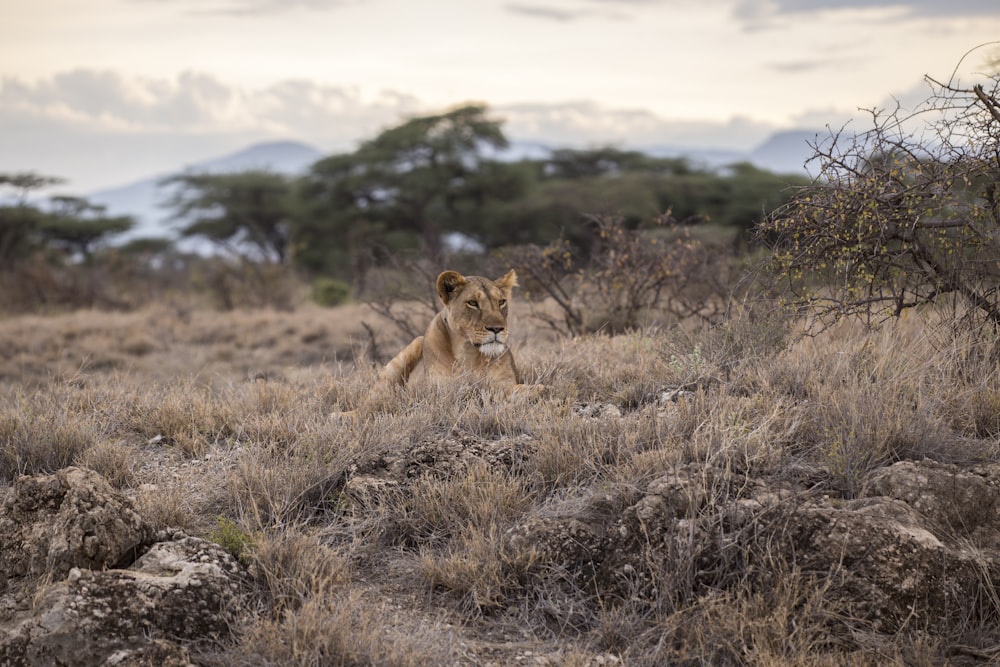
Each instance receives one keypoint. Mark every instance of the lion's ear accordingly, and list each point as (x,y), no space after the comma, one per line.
(508,282)
(448,283)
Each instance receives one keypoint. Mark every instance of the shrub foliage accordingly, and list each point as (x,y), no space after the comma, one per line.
(902,215)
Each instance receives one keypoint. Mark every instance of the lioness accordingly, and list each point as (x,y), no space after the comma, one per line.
(468,335)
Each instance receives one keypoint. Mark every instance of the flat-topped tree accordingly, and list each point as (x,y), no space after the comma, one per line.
(19,219)
(78,226)
(421,179)
(249,212)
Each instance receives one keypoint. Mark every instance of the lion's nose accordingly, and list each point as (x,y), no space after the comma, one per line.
(495,330)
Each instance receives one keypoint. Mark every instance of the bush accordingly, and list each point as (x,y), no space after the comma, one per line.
(902,215)
(633,277)
(330,292)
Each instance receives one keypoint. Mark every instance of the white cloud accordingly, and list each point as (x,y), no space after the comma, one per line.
(249,8)
(197,103)
(108,101)
(586,122)
(758,8)
(568,13)
(100,128)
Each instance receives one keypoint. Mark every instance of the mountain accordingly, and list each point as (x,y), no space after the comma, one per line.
(783,153)
(786,152)
(707,158)
(144,199)
(284,157)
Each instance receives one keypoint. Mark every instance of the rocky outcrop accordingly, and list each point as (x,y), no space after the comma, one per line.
(89,584)
(73,519)
(441,457)
(921,539)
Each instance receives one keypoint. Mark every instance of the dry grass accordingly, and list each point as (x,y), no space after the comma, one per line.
(200,415)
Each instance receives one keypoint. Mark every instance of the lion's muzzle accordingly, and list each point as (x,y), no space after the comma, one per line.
(495,343)
(494,349)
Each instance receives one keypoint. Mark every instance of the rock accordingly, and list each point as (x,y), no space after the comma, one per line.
(85,581)
(900,555)
(964,501)
(441,457)
(73,519)
(157,653)
(454,453)
(597,410)
(186,589)
(369,483)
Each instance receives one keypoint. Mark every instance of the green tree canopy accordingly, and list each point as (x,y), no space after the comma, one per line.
(78,226)
(248,212)
(19,219)
(571,185)
(576,163)
(411,184)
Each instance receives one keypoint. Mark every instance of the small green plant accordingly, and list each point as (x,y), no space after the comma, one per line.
(692,361)
(330,292)
(232,538)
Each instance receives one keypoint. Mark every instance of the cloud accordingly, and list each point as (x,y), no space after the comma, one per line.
(99,127)
(108,100)
(574,11)
(585,123)
(250,7)
(757,14)
(758,10)
(813,65)
(196,103)
(544,12)
(903,101)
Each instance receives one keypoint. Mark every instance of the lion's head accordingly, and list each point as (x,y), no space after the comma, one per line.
(476,308)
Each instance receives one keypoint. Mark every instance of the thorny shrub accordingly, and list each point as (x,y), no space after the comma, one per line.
(901,215)
(632,278)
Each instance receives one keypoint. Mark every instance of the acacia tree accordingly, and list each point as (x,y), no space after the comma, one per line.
(19,219)
(412,183)
(78,226)
(902,215)
(244,213)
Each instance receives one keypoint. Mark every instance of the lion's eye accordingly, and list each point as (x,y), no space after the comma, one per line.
(502,302)
(472,304)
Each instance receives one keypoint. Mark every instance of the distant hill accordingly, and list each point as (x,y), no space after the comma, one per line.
(786,152)
(707,158)
(143,199)
(783,153)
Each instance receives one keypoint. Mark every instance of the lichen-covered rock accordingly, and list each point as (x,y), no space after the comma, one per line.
(157,653)
(453,454)
(85,581)
(184,589)
(370,482)
(72,519)
(900,555)
(963,501)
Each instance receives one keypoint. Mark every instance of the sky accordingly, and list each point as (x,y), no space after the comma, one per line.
(104,92)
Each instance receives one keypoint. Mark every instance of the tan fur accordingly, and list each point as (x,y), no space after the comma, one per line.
(468,336)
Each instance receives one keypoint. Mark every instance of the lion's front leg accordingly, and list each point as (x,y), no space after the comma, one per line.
(398,371)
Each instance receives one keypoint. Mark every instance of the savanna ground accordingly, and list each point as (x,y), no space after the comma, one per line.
(220,424)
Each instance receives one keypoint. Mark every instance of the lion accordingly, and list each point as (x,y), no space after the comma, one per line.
(469,337)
